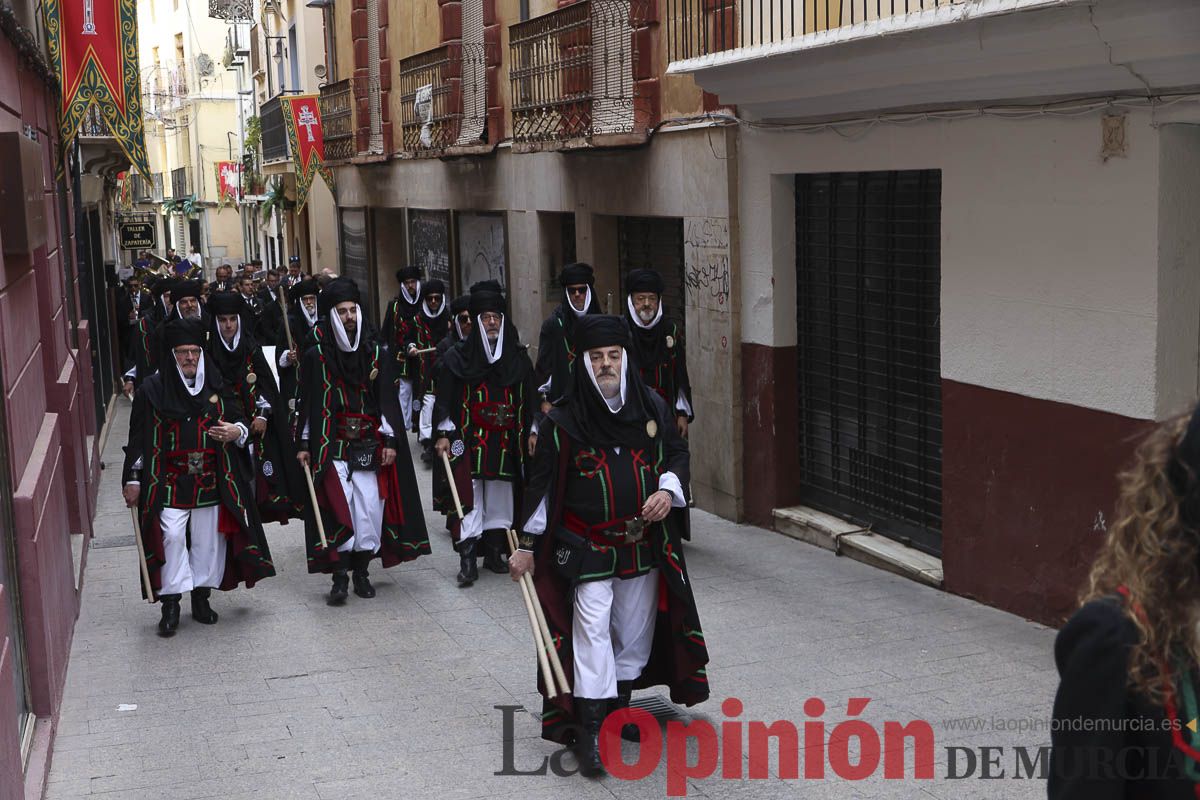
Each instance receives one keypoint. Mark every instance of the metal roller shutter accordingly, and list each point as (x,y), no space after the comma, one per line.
(868,260)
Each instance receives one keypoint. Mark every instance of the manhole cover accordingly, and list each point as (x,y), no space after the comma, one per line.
(114,541)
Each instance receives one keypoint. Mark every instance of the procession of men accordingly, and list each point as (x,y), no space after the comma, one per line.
(260,400)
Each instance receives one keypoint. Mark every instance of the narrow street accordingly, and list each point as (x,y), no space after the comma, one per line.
(394,697)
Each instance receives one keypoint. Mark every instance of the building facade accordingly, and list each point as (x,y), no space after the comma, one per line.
(933,262)
(195,120)
(502,139)
(968,286)
(53,315)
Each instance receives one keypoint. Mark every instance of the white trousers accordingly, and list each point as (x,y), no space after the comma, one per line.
(425,426)
(406,401)
(612,632)
(366,508)
(202,564)
(493,508)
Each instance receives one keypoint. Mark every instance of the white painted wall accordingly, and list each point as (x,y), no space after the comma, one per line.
(1050,255)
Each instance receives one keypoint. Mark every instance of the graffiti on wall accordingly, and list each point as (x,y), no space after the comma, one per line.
(706,262)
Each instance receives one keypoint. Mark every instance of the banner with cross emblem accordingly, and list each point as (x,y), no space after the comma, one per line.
(302,116)
(93,47)
(229,182)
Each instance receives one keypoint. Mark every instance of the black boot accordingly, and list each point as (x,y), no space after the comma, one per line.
(427,451)
(492,558)
(468,571)
(170,614)
(341,583)
(362,583)
(629,731)
(587,749)
(201,611)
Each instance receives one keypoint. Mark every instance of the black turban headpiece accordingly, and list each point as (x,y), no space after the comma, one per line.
(600,330)
(338,290)
(408,274)
(644,280)
(163,285)
(184,289)
(577,273)
(485,300)
(460,304)
(489,285)
(180,332)
(227,303)
(305,287)
(433,287)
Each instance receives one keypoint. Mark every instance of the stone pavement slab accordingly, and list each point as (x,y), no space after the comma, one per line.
(289,698)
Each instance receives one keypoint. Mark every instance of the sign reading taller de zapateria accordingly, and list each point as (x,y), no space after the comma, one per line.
(137,235)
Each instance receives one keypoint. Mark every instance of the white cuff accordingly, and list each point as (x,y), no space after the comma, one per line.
(682,404)
(669,482)
(446,425)
(536,524)
(385,427)
(241,440)
(285,358)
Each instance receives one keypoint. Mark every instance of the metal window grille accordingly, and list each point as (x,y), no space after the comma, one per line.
(179,183)
(868,281)
(336,120)
(572,71)
(701,27)
(274,130)
(442,97)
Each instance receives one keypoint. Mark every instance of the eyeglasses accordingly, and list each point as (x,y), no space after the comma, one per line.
(577,289)
(188,352)
(489,316)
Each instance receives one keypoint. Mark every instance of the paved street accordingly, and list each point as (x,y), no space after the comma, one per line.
(394,697)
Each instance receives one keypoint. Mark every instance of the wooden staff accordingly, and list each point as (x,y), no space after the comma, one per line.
(539,643)
(543,628)
(453,485)
(421,352)
(312,495)
(287,325)
(141,548)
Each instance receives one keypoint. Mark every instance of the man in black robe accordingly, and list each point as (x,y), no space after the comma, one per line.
(656,345)
(556,345)
(367,496)
(484,410)
(399,317)
(603,526)
(180,471)
(142,360)
(302,324)
(460,328)
(427,329)
(278,484)
(270,318)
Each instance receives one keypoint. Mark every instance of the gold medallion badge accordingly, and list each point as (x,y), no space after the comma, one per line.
(670,341)
(651,429)
(251,378)
(214,399)
(374,373)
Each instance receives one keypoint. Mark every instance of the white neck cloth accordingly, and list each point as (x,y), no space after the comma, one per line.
(430,314)
(411,299)
(492,356)
(196,384)
(615,404)
(237,337)
(638,320)
(587,302)
(339,330)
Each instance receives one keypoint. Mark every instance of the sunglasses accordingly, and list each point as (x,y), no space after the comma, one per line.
(463,317)
(577,289)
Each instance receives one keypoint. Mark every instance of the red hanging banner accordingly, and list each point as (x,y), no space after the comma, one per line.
(302,116)
(229,181)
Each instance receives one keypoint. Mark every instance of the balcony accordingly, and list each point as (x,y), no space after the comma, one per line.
(274,131)
(181,182)
(100,154)
(573,77)
(231,10)
(443,101)
(337,120)
(834,59)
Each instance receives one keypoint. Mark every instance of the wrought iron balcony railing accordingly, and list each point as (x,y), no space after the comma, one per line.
(572,72)
(702,27)
(443,99)
(231,10)
(337,120)
(180,181)
(274,132)
(93,123)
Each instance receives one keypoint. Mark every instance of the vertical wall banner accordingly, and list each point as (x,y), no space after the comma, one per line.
(302,116)
(93,47)
(229,182)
